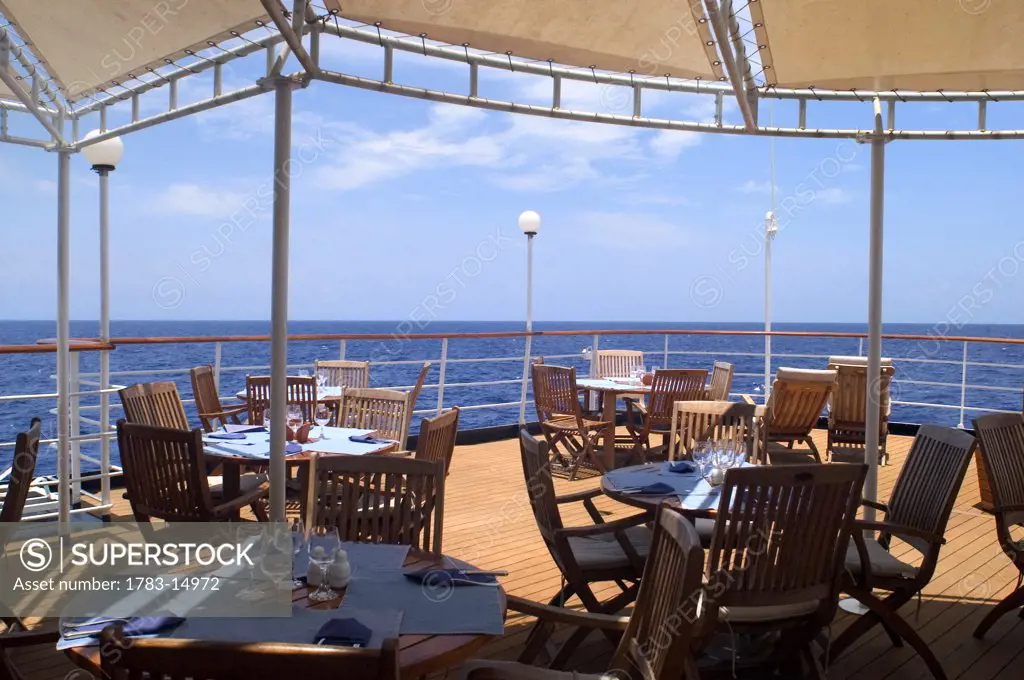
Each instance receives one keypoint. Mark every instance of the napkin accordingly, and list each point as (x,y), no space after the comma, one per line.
(292,447)
(456,577)
(133,627)
(656,489)
(679,467)
(226,435)
(232,427)
(367,439)
(343,633)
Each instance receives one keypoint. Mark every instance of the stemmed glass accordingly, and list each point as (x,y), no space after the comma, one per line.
(245,533)
(323,543)
(702,456)
(299,541)
(266,419)
(322,416)
(321,381)
(294,418)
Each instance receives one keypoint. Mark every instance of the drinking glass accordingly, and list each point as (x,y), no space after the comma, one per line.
(321,380)
(246,533)
(266,419)
(702,456)
(322,416)
(299,541)
(277,558)
(327,539)
(294,417)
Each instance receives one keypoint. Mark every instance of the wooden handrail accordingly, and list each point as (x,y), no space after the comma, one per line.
(83,344)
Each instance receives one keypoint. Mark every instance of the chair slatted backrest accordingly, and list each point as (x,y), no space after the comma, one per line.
(1001,452)
(204,389)
(176,659)
(781,535)
(414,397)
(555,393)
(721,381)
(697,421)
(797,400)
(930,480)
(164,472)
(157,404)
(540,487)
(671,385)
(23,468)
(374,408)
(848,402)
(301,392)
(342,373)
(618,363)
(656,643)
(437,438)
(377,499)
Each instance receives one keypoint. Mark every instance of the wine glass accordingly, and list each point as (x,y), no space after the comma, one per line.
(266,419)
(294,417)
(322,416)
(246,533)
(321,381)
(277,558)
(323,543)
(299,541)
(702,455)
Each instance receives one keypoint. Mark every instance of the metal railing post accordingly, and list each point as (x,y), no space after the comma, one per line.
(104,429)
(860,347)
(963,384)
(526,378)
(665,356)
(440,377)
(593,357)
(216,365)
(341,349)
(75,386)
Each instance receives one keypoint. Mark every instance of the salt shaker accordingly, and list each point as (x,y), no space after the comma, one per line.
(313,571)
(339,573)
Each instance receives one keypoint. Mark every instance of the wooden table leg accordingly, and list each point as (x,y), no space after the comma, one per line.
(231,481)
(608,415)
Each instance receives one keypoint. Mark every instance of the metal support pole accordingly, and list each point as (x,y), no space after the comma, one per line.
(63,333)
(440,375)
(664,362)
(218,352)
(874,311)
(527,352)
(342,349)
(529,283)
(963,385)
(104,174)
(74,387)
(279,297)
(770,229)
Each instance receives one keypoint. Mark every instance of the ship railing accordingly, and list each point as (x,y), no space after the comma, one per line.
(90,423)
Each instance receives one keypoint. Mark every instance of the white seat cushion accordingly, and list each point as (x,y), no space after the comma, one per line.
(248,482)
(780,612)
(806,375)
(856,361)
(604,552)
(882,562)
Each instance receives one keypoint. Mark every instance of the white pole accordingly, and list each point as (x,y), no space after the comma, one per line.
(874,311)
(529,282)
(770,229)
(104,334)
(279,298)
(63,333)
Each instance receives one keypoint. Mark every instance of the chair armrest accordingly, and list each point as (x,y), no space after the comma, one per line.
(874,504)
(245,499)
(605,528)
(27,638)
(400,454)
(230,411)
(567,616)
(578,496)
(898,530)
(748,399)
(1017,507)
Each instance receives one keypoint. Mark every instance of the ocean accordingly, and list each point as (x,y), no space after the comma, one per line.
(999,365)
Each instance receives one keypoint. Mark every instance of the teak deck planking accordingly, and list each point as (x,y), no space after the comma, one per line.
(488,522)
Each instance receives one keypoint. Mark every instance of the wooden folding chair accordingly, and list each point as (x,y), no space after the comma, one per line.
(342,373)
(698,421)
(212,414)
(917,513)
(157,404)
(796,402)
(436,440)
(301,392)
(848,403)
(374,408)
(721,382)
(669,386)
(562,421)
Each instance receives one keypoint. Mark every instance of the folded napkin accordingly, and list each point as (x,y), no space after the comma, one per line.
(682,467)
(232,427)
(656,489)
(226,435)
(90,627)
(456,577)
(368,439)
(292,447)
(343,633)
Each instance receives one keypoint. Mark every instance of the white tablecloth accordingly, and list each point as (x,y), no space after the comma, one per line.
(257,444)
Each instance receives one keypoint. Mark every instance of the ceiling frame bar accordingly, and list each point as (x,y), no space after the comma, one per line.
(736,78)
(17,87)
(293,38)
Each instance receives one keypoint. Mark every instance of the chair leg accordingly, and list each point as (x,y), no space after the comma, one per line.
(570,646)
(904,630)
(813,448)
(1012,601)
(259,510)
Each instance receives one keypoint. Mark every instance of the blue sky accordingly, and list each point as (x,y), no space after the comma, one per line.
(400,203)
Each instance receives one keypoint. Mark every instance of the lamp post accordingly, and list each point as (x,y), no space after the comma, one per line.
(104,157)
(529,224)
(771,227)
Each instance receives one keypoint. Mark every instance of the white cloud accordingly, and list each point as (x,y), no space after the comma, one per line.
(755,187)
(833,196)
(192,199)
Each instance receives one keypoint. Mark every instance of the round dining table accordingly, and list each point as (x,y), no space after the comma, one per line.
(690,494)
(418,655)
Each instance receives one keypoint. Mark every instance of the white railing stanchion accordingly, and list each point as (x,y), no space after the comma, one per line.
(664,360)
(593,356)
(440,376)
(341,349)
(527,368)
(860,347)
(963,385)
(217,350)
(76,429)
(104,428)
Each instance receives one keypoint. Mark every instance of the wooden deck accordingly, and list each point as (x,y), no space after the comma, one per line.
(489,523)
